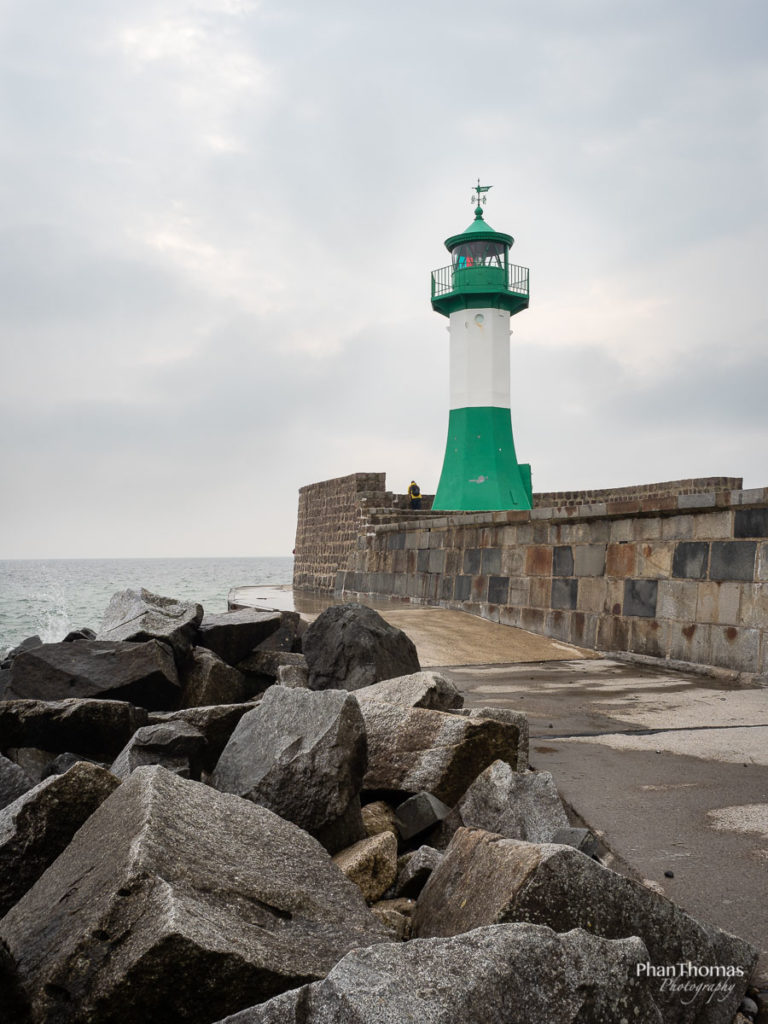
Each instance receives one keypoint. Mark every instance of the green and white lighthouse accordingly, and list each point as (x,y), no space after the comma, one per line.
(479,292)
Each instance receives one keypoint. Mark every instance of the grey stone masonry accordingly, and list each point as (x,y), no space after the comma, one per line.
(675,571)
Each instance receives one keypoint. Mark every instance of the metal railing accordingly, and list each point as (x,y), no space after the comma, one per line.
(479,278)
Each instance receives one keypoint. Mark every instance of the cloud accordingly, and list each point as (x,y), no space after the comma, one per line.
(218,221)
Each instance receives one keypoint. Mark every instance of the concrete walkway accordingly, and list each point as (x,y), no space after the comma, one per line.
(669,768)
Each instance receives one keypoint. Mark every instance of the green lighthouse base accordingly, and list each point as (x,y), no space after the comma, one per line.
(480,469)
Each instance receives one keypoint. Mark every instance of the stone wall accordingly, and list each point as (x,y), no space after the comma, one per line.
(332,516)
(681,576)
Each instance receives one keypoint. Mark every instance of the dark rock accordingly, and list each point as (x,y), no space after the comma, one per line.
(32,761)
(419,814)
(137,616)
(233,635)
(15,1005)
(582,839)
(176,746)
(96,728)
(413,873)
(302,755)
(79,634)
(286,637)
(507,974)
(391,915)
(36,828)
(486,879)
(62,763)
(293,675)
(177,903)
(517,805)
(350,646)
(207,679)
(13,781)
(216,723)
(516,720)
(29,644)
(142,673)
(260,668)
(414,749)
(419,690)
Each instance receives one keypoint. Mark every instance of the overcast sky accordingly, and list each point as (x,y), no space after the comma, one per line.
(219,219)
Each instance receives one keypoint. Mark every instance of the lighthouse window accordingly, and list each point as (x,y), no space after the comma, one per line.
(479,254)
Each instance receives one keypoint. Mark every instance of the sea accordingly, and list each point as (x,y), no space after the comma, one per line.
(50,597)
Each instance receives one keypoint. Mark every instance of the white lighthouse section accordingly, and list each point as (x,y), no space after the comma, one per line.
(479,365)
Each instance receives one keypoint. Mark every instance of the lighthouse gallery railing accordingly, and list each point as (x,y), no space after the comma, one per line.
(479,278)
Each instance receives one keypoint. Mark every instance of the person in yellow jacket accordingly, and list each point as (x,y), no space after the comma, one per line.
(415,495)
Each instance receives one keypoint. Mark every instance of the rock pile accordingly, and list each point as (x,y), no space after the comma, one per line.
(212,817)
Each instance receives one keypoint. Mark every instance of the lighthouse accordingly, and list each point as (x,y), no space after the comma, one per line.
(479,292)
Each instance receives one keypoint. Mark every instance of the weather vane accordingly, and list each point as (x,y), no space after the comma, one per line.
(478,196)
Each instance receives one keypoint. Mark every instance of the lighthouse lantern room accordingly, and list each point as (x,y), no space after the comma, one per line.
(479,291)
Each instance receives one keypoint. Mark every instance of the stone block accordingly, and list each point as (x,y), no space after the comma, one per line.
(479,592)
(422,560)
(564,593)
(677,527)
(655,560)
(762,563)
(13,781)
(612,633)
(420,813)
(649,637)
(703,500)
(498,589)
(513,561)
(589,560)
(538,560)
(736,648)
(690,560)
(713,525)
(39,825)
(517,805)
(463,588)
(233,635)
(302,754)
(677,599)
(491,561)
(540,592)
(647,528)
(415,749)
(519,591)
(753,610)
(620,560)
(472,561)
(562,561)
(413,870)
(583,629)
(379,817)
(718,602)
(640,597)
(506,973)
(621,531)
(534,619)
(733,560)
(486,879)
(592,594)
(751,522)
(558,624)
(510,615)
(690,641)
(436,562)
(371,864)
(418,690)
(178,903)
